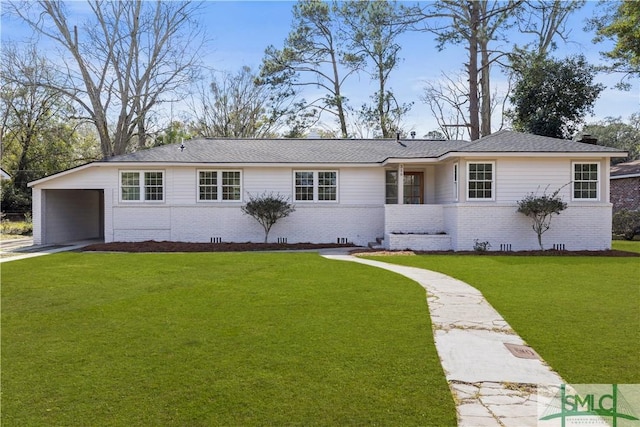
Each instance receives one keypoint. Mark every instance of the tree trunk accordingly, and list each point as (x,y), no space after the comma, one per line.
(474,119)
(338,96)
(142,135)
(485,88)
(384,126)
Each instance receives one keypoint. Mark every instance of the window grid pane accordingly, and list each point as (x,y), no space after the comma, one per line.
(208,188)
(391,193)
(304,186)
(130,185)
(230,185)
(130,193)
(480,181)
(585,185)
(327,185)
(153,186)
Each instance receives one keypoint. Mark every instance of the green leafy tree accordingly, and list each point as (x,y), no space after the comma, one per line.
(38,132)
(313,56)
(267,209)
(540,209)
(613,132)
(174,133)
(621,23)
(551,97)
(372,29)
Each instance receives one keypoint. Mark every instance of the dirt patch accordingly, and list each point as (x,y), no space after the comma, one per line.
(165,246)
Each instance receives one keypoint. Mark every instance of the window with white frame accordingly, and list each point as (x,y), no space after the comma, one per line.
(218,186)
(142,186)
(314,186)
(585,181)
(480,181)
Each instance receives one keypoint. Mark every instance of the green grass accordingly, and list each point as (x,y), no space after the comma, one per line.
(581,314)
(216,339)
(626,245)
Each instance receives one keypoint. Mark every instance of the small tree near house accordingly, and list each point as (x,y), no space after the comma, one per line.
(267,209)
(540,209)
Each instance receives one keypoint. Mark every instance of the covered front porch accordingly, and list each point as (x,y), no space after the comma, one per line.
(416,196)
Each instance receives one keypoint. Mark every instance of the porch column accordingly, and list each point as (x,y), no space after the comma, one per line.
(400,184)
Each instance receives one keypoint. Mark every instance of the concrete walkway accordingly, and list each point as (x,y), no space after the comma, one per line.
(490,384)
(13,250)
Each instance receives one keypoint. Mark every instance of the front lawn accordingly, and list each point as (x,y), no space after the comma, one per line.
(216,339)
(626,245)
(581,314)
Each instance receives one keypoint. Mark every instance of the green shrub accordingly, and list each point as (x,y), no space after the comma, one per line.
(21,228)
(540,209)
(626,223)
(267,209)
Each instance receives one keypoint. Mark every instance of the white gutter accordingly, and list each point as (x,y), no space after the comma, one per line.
(630,175)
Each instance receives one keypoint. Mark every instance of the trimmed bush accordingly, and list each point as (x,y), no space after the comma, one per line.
(626,223)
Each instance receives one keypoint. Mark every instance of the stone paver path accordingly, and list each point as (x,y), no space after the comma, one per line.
(491,386)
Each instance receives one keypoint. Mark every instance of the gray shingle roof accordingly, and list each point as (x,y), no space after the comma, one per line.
(363,151)
(509,142)
(627,168)
(291,151)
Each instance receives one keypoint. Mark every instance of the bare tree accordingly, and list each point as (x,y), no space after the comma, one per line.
(238,106)
(38,135)
(477,25)
(31,115)
(546,22)
(125,60)
(447,99)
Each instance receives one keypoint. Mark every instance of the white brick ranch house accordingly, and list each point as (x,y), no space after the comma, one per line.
(417,194)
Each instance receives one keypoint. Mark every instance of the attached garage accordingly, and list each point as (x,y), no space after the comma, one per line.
(70,215)
(70,206)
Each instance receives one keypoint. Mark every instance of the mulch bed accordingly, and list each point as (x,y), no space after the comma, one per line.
(154,246)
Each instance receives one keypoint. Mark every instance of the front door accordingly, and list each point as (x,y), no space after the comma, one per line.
(413,188)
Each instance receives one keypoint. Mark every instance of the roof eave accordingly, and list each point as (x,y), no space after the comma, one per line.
(63,173)
(405,160)
(573,154)
(151,164)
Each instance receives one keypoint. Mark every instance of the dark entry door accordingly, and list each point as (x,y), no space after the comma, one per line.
(413,188)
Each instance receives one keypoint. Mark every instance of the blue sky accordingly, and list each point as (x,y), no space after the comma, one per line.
(241,30)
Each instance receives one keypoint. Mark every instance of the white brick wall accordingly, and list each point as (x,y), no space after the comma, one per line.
(414,219)
(582,226)
(315,224)
(36,215)
(417,242)
(360,215)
